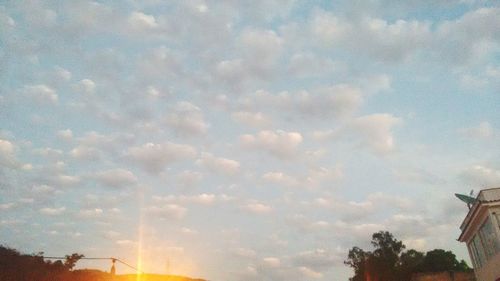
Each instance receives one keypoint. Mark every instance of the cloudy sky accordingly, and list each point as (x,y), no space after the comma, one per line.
(244,140)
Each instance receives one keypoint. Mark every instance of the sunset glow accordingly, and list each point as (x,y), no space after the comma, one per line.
(244,140)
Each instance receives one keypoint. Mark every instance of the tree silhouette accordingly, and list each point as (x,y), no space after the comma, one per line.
(357,259)
(389,262)
(440,260)
(15,266)
(385,257)
(71,260)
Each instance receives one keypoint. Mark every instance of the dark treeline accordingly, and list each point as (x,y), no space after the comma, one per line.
(15,266)
(389,261)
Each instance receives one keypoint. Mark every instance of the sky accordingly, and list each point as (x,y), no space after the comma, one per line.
(244,140)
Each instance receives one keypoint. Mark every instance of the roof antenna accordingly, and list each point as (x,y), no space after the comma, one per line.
(469,200)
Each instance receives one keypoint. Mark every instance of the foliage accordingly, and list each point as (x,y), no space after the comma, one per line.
(440,260)
(71,261)
(357,259)
(389,262)
(15,266)
(385,257)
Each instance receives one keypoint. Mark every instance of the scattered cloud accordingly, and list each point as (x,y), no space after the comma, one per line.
(482,131)
(154,157)
(272,262)
(168,211)
(218,164)
(335,101)
(116,178)
(307,122)
(41,93)
(142,22)
(257,208)
(376,131)
(52,211)
(253,119)
(390,42)
(7,153)
(483,176)
(318,259)
(187,119)
(281,144)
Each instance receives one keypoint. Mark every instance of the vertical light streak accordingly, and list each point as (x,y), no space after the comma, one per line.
(140,235)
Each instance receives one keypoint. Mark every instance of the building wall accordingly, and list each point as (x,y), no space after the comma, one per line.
(481,233)
(491,271)
(444,276)
(490,194)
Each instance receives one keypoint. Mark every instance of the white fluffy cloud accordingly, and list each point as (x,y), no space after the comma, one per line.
(9,156)
(116,177)
(66,135)
(41,93)
(187,119)
(480,175)
(201,199)
(189,178)
(142,22)
(6,20)
(362,210)
(278,143)
(335,101)
(314,178)
(262,46)
(309,273)
(158,63)
(482,131)
(91,213)
(254,119)
(218,164)
(7,153)
(399,40)
(320,175)
(259,51)
(52,211)
(280,178)
(168,211)
(86,86)
(257,208)
(272,262)
(375,131)
(85,152)
(310,65)
(155,157)
(374,37)
(474,32)
(318,259)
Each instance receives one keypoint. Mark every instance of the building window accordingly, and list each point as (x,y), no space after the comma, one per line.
(489,238)
(473,256)
(477,251)
(497,216)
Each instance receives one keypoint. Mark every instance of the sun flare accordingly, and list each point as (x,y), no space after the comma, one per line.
(140,237)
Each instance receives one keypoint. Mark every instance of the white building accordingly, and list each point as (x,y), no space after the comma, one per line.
(481,233)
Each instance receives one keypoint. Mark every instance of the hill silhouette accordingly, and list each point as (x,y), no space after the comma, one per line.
(15,266)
